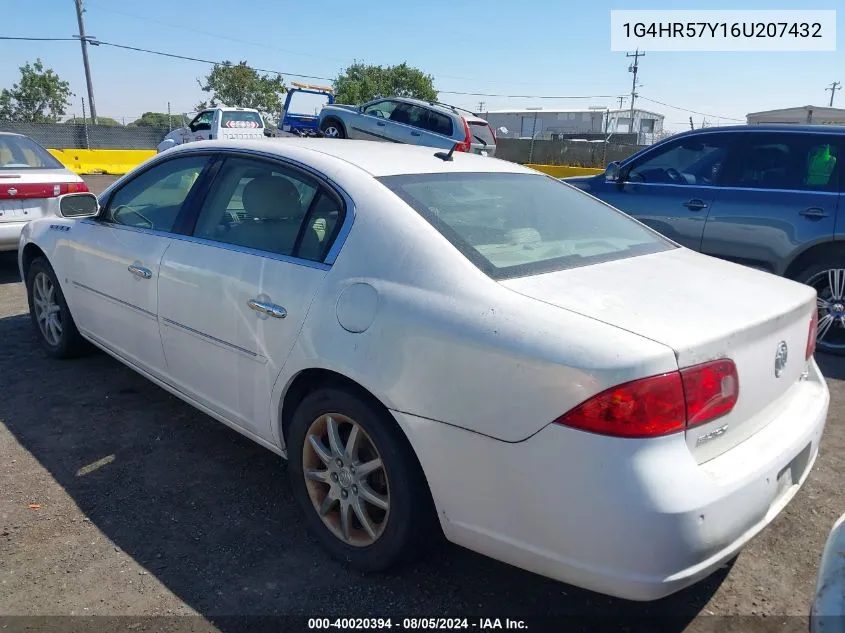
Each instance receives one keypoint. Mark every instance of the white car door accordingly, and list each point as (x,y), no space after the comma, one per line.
(201,128)
(234,296)
(116,257)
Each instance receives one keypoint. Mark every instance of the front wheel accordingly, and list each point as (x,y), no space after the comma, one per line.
(357,480)
(829,282)
(332,129)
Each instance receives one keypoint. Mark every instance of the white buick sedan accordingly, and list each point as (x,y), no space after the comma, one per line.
(450,343)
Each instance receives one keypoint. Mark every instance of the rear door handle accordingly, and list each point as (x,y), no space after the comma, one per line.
(269,309)
(140,272)
(415,133)
(380,123)
(695,204)
(814,213)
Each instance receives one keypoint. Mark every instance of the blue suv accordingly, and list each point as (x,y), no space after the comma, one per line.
(766,196)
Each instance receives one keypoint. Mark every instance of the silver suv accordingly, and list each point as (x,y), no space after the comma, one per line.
(411,121)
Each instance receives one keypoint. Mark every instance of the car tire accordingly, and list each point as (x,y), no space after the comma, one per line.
(332,128)
(50,314)
(821,276)
(395,498)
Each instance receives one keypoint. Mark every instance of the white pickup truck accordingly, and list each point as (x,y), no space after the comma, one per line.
(219,122)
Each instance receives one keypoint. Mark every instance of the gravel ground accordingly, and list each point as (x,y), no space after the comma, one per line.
(147,507)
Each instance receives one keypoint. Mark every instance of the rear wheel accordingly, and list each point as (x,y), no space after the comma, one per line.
(357,480)
(829,282)
(332,128)
(50,314)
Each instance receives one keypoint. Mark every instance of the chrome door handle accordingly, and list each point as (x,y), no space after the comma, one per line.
(140,271)
(270,309)
(695,204)
(813,213)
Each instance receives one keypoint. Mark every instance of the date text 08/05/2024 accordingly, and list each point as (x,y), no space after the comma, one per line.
(423,624)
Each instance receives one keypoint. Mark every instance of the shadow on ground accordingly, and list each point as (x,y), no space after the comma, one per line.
(9,268)
(210,514)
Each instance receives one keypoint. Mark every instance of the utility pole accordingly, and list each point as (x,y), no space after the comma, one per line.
(481,105)
(691,126)
(836,85)
(84,43)
(633,69)
(621,101)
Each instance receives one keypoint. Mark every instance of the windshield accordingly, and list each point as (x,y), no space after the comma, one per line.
(481,133)
(514,225)
(20,152)
(241,120)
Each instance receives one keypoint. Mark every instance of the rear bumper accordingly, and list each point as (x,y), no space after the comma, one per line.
(636,519)
(10,235)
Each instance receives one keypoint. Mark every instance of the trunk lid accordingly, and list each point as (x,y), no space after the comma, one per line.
(704,309)
(26,194)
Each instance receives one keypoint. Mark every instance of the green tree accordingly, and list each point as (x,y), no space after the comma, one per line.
(101,120)
(40,96)
(158,119)
(240,86)
(360,83)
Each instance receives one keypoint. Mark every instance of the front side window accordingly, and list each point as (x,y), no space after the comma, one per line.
(804,162)
(689,161)
(203,121)
(154,199)
(20,152)
(381,109)
(513,225)
(265,206)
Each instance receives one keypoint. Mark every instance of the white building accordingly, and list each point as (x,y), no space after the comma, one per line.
(595,121)
(802,115)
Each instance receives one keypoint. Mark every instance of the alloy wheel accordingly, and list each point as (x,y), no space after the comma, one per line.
(830,287)
(48,312)
(346,480)
(331,131)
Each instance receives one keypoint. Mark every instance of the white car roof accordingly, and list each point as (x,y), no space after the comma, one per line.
(375,157)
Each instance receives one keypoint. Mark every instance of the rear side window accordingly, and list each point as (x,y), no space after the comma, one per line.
(439,123)
(241,120)
(481,133)
(514,225)
(20,152)
(808,162)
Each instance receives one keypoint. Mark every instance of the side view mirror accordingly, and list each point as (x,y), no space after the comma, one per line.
(78,205)
(611,172)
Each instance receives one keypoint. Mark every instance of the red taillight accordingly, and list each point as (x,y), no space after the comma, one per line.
(643,408)
(659,405)
(24,191)
(710,390)
(811,336)
(466,144)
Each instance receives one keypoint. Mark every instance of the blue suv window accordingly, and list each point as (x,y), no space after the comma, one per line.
(694,160)
(803,162)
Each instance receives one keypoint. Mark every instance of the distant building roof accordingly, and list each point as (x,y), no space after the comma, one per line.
(819,114)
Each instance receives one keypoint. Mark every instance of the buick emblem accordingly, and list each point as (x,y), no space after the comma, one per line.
(781,356)
(12,191)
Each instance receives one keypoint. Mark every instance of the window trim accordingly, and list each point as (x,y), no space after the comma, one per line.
(197,192)
(324,186)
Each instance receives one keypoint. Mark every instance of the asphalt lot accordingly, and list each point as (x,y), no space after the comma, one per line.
(148,507)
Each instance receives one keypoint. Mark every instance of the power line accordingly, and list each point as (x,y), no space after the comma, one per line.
(712,116)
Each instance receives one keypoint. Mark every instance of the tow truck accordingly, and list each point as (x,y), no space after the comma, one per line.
(301,123)
(217,122)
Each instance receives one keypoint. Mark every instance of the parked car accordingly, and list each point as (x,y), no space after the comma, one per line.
(827,614)
(411,121)
(767,196)
(426,337)
(216,123)
(31,181)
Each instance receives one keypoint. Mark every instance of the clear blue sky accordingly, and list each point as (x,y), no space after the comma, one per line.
(544,47)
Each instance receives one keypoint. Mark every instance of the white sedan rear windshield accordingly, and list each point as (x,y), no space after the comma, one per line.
(20,152)
(513,225)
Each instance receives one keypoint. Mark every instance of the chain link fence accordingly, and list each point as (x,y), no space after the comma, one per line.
(84,136)
(576,153)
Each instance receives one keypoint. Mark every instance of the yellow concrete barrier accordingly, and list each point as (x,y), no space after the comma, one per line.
(565,171)
(102,161)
